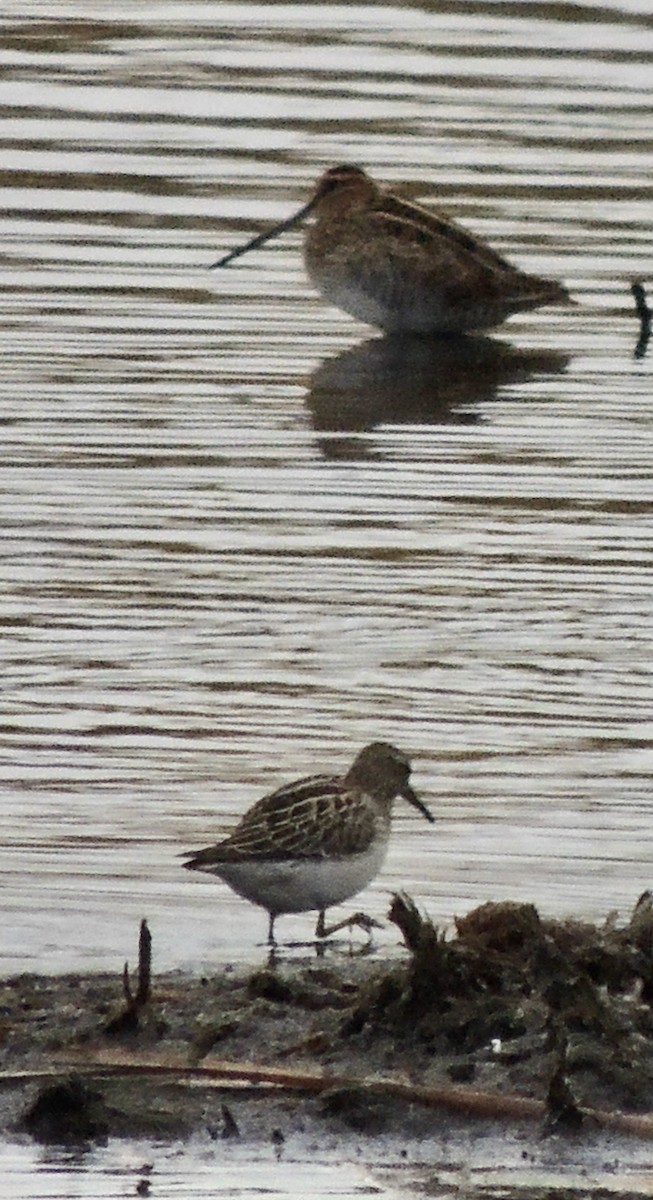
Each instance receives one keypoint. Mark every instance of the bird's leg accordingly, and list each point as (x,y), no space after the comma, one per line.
(271,938)
(360,920)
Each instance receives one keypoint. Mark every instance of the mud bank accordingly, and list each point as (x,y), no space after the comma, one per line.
(512,1018)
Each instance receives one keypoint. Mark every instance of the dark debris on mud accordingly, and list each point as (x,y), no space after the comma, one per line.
(556,1011)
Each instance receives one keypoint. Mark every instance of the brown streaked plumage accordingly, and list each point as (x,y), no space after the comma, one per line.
(315,842)
(402,267)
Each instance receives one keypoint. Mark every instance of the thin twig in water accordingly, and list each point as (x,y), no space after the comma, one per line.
(644,313)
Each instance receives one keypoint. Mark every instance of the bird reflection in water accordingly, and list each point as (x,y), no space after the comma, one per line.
(405,379)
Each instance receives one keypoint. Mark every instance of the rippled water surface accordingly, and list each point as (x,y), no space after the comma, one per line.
(242,535)
(479,1169)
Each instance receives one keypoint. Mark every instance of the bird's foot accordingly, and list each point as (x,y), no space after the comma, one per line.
(358,920)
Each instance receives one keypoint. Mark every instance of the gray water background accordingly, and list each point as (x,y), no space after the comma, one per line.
(240,539)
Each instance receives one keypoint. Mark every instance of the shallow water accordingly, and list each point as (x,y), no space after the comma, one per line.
(242,536)
(469,1168)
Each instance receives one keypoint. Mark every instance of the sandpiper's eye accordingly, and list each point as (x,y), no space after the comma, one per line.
(334,178)
(337,176)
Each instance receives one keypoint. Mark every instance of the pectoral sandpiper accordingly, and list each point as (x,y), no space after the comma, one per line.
(402,267)
(315,842)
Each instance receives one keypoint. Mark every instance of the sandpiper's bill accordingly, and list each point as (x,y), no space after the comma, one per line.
(317,841)
(402,267)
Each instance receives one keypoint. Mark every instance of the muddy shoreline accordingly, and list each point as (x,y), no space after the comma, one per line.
(512,1018)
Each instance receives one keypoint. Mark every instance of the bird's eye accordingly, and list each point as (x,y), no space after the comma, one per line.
(331,182)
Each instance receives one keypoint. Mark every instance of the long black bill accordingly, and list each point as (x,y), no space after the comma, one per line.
(265,236)
(412,798)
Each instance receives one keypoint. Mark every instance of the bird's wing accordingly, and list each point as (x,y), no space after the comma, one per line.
(439,233)
(297,821)
(401,252)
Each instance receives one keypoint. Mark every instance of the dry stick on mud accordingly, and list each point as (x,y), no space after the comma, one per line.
(144,965)
(468,1102)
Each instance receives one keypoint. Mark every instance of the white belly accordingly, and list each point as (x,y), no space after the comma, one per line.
(398,306)
(386,303)
(299,885)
